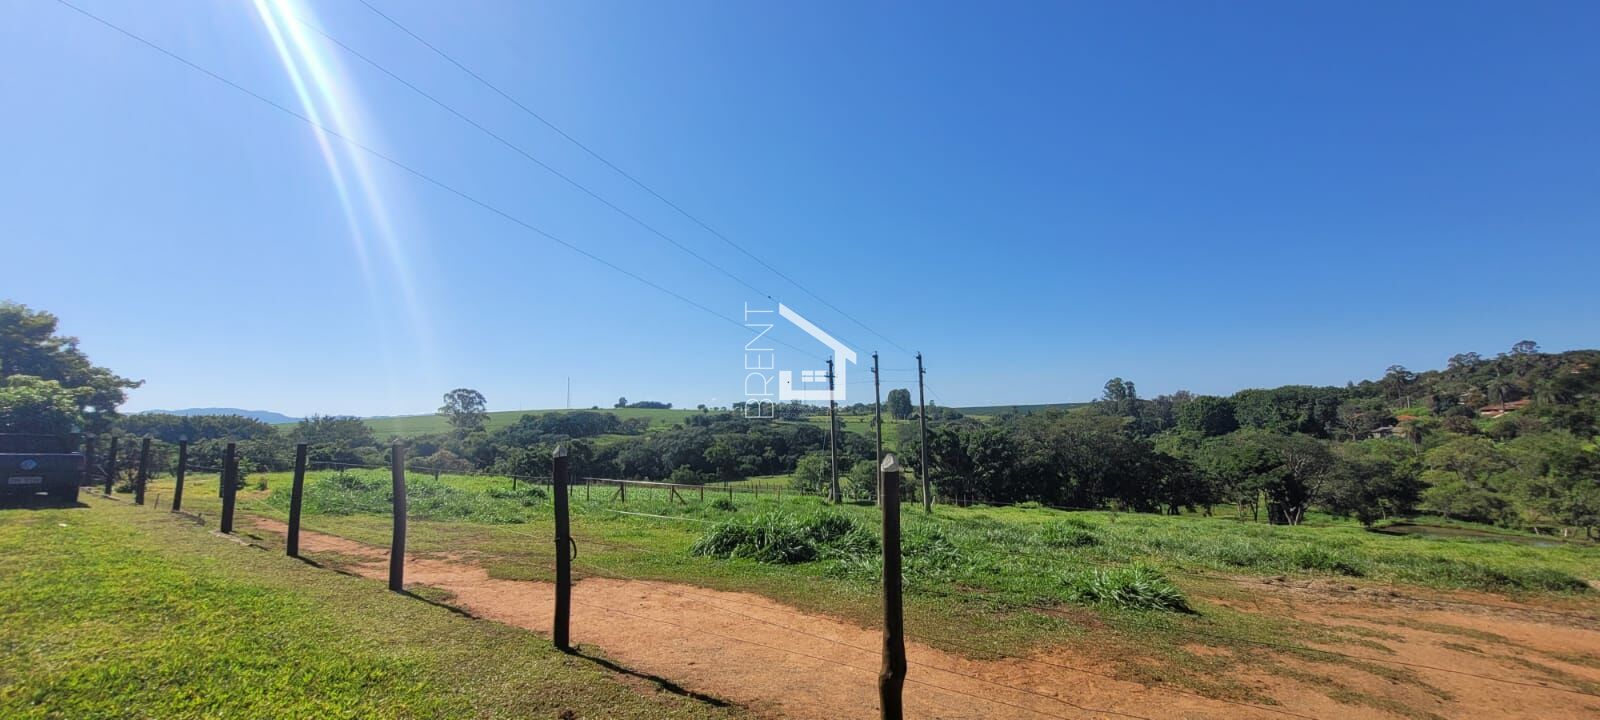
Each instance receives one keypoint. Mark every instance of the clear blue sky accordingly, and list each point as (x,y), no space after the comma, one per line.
(1038,196)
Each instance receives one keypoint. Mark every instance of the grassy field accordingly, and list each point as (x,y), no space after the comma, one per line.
(115,611)
(412,425)
(1149,595)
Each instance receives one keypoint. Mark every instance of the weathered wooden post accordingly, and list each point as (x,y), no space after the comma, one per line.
(88,461)
(180,473)
(833,433)
(922,422)
(296,495)
(144,472)
(892,677)
(111,465)
(877,422)
(230,484)
(558,487)
(397,542)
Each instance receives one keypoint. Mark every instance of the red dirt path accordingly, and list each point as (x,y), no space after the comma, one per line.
(781,662)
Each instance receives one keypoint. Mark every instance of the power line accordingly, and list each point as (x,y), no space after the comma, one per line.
(529,156)
(411,170)
(636,181)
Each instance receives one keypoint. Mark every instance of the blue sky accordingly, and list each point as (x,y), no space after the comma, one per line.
(1038,196)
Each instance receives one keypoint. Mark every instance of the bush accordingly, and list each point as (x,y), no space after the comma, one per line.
(1063,534)
(780,539)
(723,504)
(1314,557)
(1136,587)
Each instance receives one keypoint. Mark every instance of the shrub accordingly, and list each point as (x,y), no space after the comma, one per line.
(1136,587)
(723,504)
(781,539)
(1064,534)
(1315,557)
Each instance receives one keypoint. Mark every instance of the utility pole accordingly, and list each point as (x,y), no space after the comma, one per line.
(922,418)
(833,433)
(877,421)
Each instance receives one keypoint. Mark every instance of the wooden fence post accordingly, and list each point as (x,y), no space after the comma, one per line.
(564,545)
(111,465)
(88,461)
(230,482)
(892,677)
(397,543)
(296,495)
(144,472)
(183,470)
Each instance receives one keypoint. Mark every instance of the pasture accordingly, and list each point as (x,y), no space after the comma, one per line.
(1190,604)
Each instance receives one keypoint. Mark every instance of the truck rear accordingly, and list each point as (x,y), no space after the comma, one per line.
(32,464)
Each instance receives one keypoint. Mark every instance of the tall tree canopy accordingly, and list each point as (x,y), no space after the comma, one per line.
(29,346)
(465,409)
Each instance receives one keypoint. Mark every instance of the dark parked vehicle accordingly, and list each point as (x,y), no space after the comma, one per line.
(31,464)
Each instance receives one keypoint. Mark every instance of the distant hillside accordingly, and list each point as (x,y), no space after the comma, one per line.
(266,416)
(991,410)
(412,425)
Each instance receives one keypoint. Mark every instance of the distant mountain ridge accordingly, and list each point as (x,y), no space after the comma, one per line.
(266,416)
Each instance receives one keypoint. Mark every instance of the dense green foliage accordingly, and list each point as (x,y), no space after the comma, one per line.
(30,352)
(1509,440)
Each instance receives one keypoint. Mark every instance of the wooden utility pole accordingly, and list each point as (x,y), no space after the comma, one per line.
(560,631)
(143,477)
(892,676)
(877,420)
(297,494)
(180,473)
(229,485)
(833,434)
(397,542)
(111,464)
(922,420)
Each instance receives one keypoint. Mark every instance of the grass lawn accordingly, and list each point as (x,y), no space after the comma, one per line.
(116,611)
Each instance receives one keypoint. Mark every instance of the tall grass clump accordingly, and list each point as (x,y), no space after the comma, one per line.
(1135,587)
(781,539)
(1322,559)
(1064,534)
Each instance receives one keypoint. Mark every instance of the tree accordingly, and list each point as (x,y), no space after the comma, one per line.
(1398,379)
(1464,361)
(464,408)
(1525,347)
(338,439)
(622,402)
(899,403)
(31,405)
(1208,415)
(30,346)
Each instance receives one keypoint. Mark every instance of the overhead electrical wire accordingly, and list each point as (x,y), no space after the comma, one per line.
(629,176)
(414,171)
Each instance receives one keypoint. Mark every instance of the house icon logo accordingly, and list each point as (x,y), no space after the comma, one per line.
(813,385)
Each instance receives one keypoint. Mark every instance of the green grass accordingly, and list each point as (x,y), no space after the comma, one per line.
(116,611)
(982,580)
(413,425)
